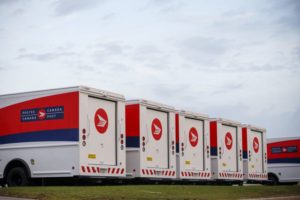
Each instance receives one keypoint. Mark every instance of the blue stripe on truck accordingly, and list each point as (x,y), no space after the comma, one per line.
(213,151)
(284,160)
(133,141)
(48,135)
(245,154)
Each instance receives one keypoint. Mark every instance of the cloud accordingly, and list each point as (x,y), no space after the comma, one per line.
(102,52)
(18,12)
(296,52)
(164,6)
(250,67)
(151,56)
(108,16)
(45,56)
(229,87)
(280,125)
(8,2)
(287,13)
(67,7)
(204,50)
(208,46)
(118,67)
(170,90)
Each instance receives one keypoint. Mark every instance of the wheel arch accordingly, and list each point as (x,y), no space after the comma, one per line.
(18,162)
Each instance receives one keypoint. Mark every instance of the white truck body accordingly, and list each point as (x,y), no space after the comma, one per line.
(254,153)
(284,159)
(150,135)
(193,146)
(226,149)
(66,132)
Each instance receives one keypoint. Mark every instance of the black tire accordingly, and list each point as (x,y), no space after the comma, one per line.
(17,176)
(273,180)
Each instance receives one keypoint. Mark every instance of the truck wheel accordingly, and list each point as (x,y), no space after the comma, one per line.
(273,180)
(17,177)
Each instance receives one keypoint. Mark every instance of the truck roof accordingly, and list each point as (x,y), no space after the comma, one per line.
(151,104)
(253,127)
(226,121)
(270,140)
(67,89)
(193,114)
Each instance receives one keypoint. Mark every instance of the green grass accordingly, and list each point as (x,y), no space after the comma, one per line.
(150,192)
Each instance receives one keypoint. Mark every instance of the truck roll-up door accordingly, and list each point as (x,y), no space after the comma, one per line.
(157,136)
(101,138)
(193,134)
(255,145)
(229,147)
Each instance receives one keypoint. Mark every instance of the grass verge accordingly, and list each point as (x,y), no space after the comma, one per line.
(150,192)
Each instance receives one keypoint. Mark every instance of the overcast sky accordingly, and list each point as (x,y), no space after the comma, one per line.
(232,59)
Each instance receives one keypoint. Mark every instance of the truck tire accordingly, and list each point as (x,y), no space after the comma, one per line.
(273,180)
(17,176)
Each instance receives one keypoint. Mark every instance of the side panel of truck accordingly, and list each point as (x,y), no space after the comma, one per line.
(42,131)
(284,159)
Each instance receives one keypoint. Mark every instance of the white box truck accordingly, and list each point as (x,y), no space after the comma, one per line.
(254,153)
(284,160)
(150,140)
(66,132)
(226,150)
(193,146)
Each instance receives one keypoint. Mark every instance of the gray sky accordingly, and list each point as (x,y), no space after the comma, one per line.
(233,59)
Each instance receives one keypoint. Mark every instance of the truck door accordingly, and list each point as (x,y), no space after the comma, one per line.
(228,141)
(256,155)
(156,147)
(193,136)
(100,148)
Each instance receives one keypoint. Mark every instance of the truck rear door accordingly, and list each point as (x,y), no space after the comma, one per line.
(255,146)
(193,136)
(228,139)
(157,136)
(100,148)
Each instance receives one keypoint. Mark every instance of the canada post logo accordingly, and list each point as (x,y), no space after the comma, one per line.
(40,114)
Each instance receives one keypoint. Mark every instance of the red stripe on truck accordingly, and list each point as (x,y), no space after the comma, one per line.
(10,122)
(245,139)
(132,116)
(177,127)
(213,134)
(82,169)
